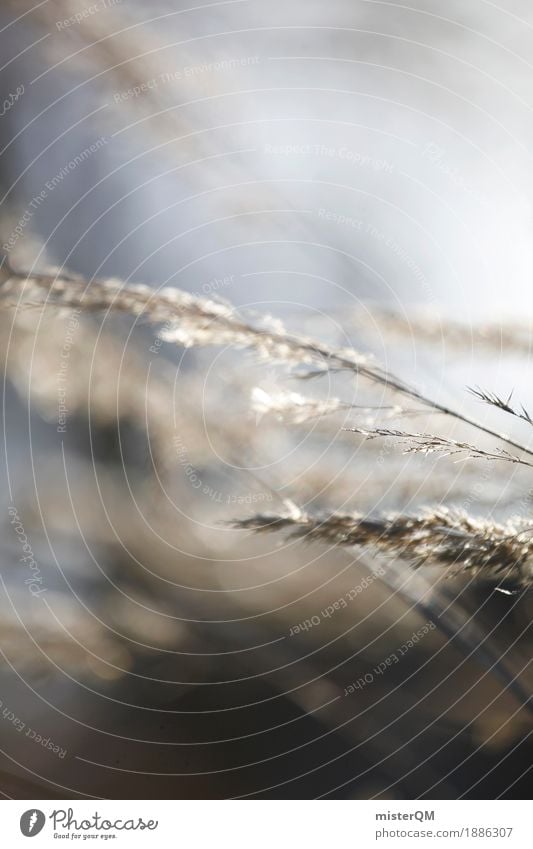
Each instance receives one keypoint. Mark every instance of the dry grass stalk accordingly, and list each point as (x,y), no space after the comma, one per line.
(191,321)
(450,538)
(293,408)
(106,382)
(494,400)
(446,537)
(427,443)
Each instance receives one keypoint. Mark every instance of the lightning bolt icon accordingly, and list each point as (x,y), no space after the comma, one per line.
(33,820)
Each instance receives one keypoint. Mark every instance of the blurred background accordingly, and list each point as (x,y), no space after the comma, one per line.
(362,171)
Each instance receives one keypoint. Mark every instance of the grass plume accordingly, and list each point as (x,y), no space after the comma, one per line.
(448,537)
(193,321)
(427,443)
(494,400)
